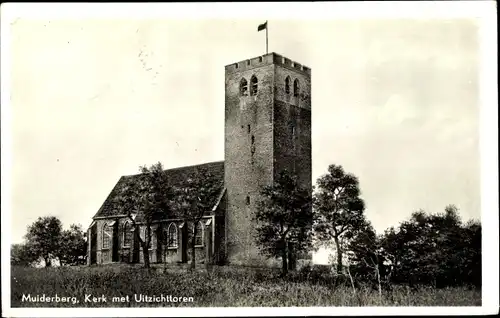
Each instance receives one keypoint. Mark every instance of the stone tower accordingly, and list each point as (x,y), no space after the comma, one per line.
(267,130)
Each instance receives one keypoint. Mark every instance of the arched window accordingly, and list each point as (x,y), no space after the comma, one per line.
(153,239)
(127,234)
(198,240)
(254,85)
(243,87)
(172,235)
(296,88)
(287,85)
(106,236)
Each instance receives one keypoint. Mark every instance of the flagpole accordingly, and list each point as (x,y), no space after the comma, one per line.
(260,28)
(267,27)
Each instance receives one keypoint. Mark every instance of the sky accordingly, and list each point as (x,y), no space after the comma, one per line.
(394,101)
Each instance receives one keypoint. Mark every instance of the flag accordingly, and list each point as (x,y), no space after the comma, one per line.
(261,27)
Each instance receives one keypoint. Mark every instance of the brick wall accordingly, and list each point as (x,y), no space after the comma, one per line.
(258,141)
(294,158)
(157,251)
(248,127)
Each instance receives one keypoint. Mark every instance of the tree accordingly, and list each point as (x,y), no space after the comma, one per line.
(143,199)
(470,253)
(194,197)
(435,249)
(283,216)
(44,238)
(338,207)
(73,248)
(369,259)
(22,255)
(363,244)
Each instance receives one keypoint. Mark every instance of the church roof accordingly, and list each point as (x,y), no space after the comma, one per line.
(175,177)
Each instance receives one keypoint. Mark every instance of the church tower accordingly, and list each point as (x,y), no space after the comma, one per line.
(267,130)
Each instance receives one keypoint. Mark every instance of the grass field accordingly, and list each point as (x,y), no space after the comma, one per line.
(222,287)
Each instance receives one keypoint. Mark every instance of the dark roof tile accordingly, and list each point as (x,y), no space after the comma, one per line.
(175,177)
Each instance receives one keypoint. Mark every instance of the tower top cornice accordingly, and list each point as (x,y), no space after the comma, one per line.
(267,59)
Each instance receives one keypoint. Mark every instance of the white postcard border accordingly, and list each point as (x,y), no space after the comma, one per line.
(483,10)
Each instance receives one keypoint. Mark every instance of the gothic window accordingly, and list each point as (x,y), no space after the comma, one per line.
(254,85)
(248,200)
(287,85)
(106,236)
(198,240)
(127,234)
(296,88)
(243,87)
(172,235)
(151,237)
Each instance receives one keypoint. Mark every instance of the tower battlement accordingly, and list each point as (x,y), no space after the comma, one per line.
(267,59)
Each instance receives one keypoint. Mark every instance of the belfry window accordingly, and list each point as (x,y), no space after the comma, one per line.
(254,86)
(252,149)
(296,88)
(252,146)
(243,87)
(287,85)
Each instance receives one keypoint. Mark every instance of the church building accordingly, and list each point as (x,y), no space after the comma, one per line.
(267,130)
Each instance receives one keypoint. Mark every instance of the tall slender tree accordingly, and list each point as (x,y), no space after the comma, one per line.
(339,209)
